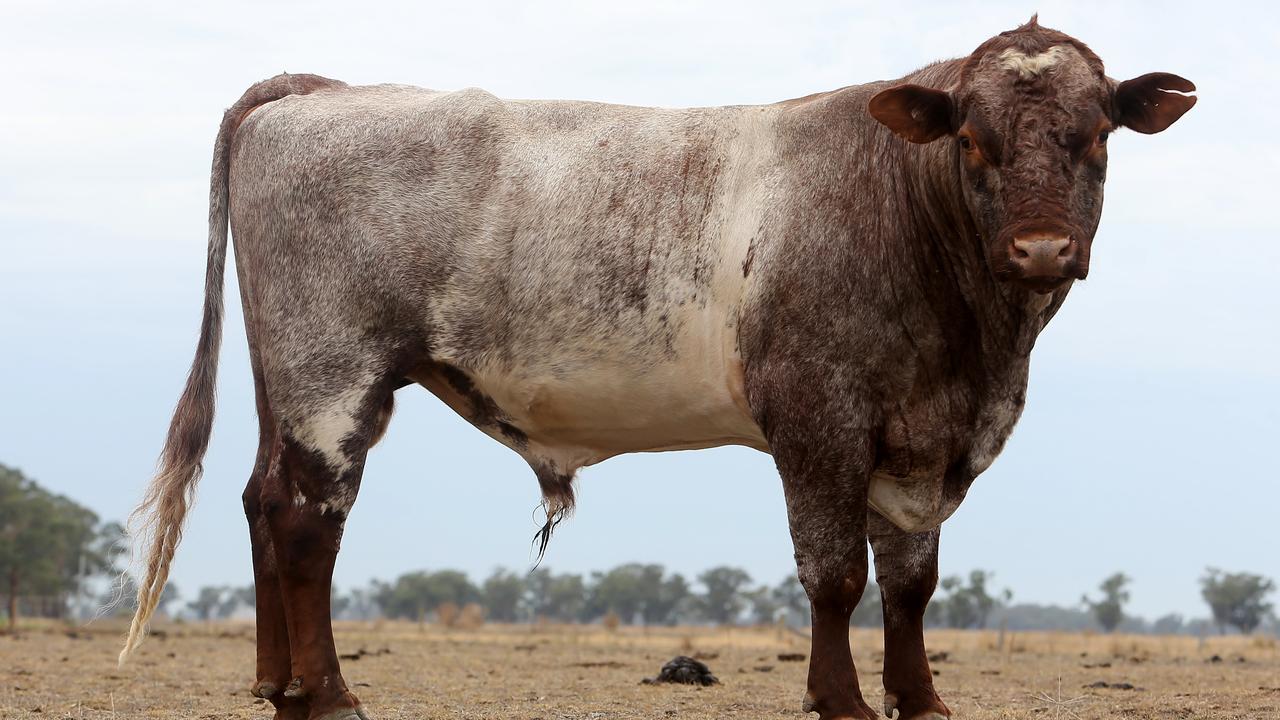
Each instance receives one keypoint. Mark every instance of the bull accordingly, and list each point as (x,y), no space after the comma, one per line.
(850,281)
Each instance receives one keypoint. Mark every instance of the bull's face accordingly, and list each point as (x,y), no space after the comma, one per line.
(1028,125)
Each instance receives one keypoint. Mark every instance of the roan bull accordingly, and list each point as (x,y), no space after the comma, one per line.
(851,281)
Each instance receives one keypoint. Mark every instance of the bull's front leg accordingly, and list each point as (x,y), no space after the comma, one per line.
(907,573)
(825,474)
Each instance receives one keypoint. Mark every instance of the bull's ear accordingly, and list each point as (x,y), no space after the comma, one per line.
(1153,102)
(915,113)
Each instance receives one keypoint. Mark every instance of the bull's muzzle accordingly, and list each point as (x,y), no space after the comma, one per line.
(1043,262)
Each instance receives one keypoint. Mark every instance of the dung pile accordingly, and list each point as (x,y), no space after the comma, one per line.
(684,670)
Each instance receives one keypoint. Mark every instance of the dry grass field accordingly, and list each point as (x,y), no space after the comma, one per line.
(570,673)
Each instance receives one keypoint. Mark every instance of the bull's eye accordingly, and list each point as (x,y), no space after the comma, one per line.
(966,143)
(1102,137)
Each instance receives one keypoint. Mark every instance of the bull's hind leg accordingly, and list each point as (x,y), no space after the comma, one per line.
(310,487)
(907,572)
(273,667)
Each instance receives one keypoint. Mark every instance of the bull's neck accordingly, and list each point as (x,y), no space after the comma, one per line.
(949,255)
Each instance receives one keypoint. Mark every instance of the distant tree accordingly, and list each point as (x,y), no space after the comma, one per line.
(49,545)
(1236,599)
(636,591)
(791,597)
(567,597)
(619,591)
(868,612)
(555,597)
(360,604)
(1109,610)
(722,601)
(414,595)
(969,605)
(1027,616)
(501,594)
(1200,627)
(207,601)
(233,598)
(762,605)
(665,607)
(1170,624)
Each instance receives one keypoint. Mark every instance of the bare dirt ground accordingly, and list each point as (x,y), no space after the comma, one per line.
(572,673)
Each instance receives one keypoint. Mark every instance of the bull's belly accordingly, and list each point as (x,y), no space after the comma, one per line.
(569,413)
(583,417)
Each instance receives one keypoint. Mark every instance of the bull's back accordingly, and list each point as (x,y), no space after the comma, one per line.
(581,265)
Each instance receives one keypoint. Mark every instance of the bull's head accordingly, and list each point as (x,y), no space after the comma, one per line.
(1029,121)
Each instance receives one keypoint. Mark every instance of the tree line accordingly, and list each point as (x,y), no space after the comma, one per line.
(54,552)
(646,594)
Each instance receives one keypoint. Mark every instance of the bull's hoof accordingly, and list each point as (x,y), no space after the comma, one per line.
(264,689)
(891,711)
(861,710)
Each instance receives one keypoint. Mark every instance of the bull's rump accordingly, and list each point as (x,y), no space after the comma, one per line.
(582,263)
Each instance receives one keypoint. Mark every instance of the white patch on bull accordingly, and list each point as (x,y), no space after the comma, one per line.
(341,497)
(299,499)
(1031,66)
(993,429)
(324,429)
(914,504)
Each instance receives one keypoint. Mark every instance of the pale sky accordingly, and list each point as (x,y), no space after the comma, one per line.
(1149,441)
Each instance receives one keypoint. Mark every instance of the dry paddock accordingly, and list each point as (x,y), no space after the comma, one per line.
(564,673)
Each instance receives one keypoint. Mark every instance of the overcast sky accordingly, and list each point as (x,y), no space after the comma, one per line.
(1149,441)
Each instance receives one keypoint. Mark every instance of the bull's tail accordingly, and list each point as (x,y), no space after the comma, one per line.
(159,519)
